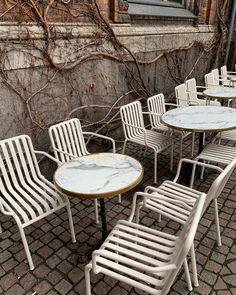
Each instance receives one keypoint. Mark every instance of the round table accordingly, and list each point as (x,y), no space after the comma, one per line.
(201,119)
(100,176)
(220,93)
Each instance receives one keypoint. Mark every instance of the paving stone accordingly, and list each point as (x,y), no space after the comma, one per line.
(63,287)
(16,290)
(7,281)
(42,288)
(230,280)
(28,281)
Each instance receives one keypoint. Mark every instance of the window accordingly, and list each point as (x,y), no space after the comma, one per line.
(162,8)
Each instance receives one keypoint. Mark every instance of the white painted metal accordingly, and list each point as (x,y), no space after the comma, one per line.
(25,193)
(157,107)
(227,135)
(135,131)
(175,201)
(193,93)
(209,81)
(67,139)
(145,258)
(217,153)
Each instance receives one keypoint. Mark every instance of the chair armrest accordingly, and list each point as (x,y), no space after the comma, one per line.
(195,92)
(107,254)
(139,128)
(172,104)
(64,153)
(48,156)
(194,163)
(104,137)
(152,113)
(201,87)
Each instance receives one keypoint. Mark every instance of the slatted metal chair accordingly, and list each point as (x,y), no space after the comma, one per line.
(135,131)
(175,201)
(145,258)
(226,75)
(157,107)
(67,140)
(25,194)
(193,93)
(229,135)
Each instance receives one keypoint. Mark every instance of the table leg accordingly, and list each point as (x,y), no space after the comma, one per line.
(103,219)
(200,143)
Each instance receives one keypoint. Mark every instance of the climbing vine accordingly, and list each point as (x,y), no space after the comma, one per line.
(58,79)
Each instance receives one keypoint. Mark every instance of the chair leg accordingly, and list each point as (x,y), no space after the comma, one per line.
(181,147)
(155,167)
(202,171)
(96,210)
(193,139)
(119,198)
(87,279)
(188,279)
(124,147)
(194,266)
(26,247)
(171,154)
(71,223)
(217,223)
(137,213)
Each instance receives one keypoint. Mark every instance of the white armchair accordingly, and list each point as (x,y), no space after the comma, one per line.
(67,139)
(25,194)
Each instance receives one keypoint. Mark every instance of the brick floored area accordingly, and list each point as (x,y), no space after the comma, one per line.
(55,257)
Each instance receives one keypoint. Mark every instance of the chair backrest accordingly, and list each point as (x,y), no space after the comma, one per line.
(181,95)
(131,117)
(209,80)
(185,241)
(191,87)
(156,104)
(224,75)
(68,137)
(21,182)
(216,78)
(219,183)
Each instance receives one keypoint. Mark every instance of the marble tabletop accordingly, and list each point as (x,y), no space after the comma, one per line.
(201,118)
(98,175)
(220,92)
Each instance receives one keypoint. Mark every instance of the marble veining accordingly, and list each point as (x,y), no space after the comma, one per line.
(220,92)
(98,173)
(201,118)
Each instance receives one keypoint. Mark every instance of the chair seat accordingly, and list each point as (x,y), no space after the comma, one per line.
(130,249)
(155,140)
(173,200)
(34,201)
(165,129)
(203,102)
(227,135)
(218,153)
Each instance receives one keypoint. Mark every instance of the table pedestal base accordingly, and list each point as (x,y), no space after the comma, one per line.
(85,257)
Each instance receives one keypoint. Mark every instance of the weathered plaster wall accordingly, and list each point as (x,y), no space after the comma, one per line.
(98,82)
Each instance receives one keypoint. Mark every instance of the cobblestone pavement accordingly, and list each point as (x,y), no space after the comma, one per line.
(55,257)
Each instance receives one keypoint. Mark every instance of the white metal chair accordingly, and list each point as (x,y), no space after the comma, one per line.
(145,258)
(135,131)
(182,97)
(157,107)
(210,82)
(193,93)
(229,135)
(25,194)
(226,75)
(67,139)
(175,201)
